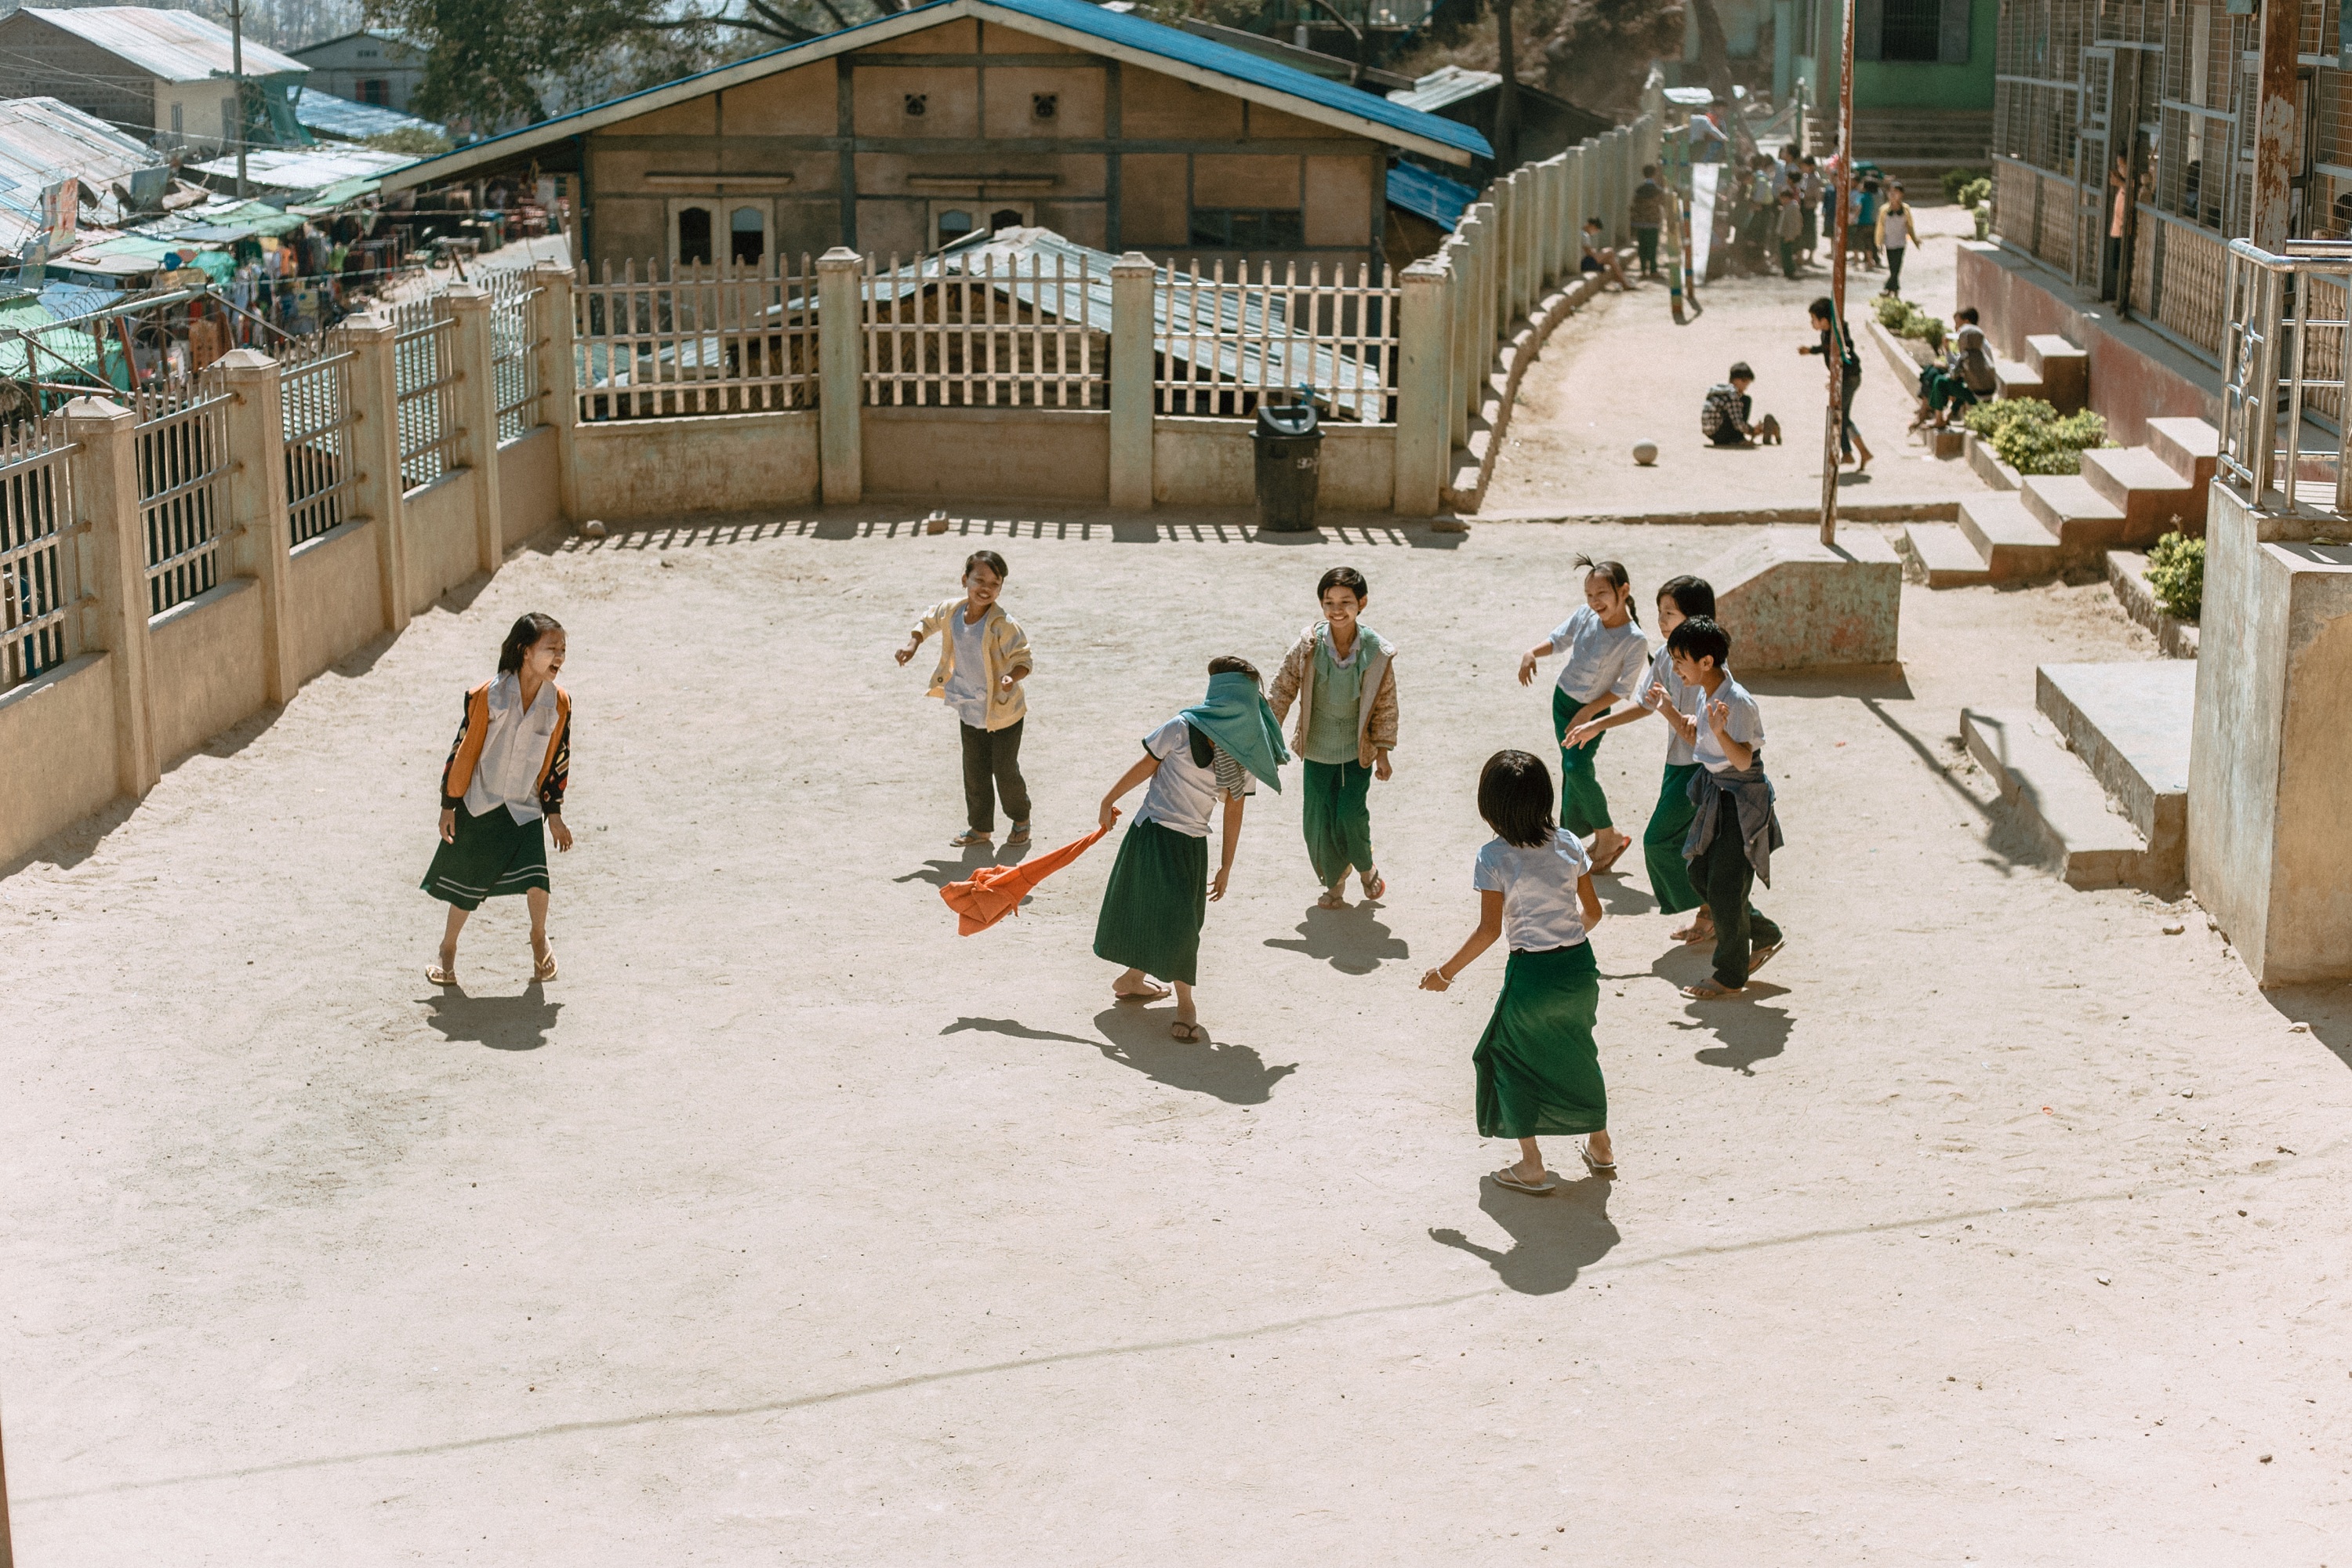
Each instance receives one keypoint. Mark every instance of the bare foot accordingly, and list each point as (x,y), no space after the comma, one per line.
(1699,931)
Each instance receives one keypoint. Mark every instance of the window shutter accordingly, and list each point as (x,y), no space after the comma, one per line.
(1869,19)
(1952,41)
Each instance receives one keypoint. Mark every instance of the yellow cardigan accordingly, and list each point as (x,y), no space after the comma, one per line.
(1003,649)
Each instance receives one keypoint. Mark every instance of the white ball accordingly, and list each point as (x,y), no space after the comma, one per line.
(1645,452)
(593,529)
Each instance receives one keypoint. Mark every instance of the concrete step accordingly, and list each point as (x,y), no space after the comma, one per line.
(2011,542)
(2054,793)
(1948,555)
(2085,522)
(1987,464)
(2015,378)
(2188,445)
(1947,442)
(2064,371)
(2131,724)
(2127,575)
(2153,496)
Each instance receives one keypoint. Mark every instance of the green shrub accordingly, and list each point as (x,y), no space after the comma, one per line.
(1906,320)
(1958,181)
(2176,570)
(2029,435)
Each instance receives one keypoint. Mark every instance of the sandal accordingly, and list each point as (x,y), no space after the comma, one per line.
(1598,1167)
(436,975)
(1508,1177)
(1602,866)
(1375,885)
(1763,956)
(1693,934)
(1709,991)
(1187,1031)
(543,968)
(969,838)
(1019,835)
(1156,993)
(1332,898)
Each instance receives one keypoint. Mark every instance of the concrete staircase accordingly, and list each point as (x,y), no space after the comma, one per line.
(2099,770)
(2053,370)
(2125,496)
(1912,143)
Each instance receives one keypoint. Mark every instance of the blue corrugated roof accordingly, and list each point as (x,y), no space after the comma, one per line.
(1426,194)
(1114,28)
(351,120)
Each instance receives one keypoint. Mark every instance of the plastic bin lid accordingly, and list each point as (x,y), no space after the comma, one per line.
(1288,419)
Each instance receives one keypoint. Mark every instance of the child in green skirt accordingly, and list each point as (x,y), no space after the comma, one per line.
(502,793)
(1606,656)
(1670,819)
(1157,900)
(1539,1068)
(1343,676)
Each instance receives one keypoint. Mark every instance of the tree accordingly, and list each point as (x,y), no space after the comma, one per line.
(1601,53)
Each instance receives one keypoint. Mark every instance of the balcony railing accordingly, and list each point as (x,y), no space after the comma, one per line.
(2284,355)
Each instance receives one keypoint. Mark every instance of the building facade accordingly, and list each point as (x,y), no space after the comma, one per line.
(147,71)
(367,67)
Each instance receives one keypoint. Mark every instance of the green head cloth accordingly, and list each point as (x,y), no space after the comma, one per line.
(1236,716)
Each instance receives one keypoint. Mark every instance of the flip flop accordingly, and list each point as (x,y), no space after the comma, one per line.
(1763,956)
(1157,994)
(1598,1167)
(544,971)
(1377,887)
(1019,835)
(1692,935)
(1505,1178)
(1602,866)
(1709,991)
(1332,898)
(1188,1032)
(436,975)
(967,838)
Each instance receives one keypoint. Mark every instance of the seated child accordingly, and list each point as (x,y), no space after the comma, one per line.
(1600,256)
(1965,377)
(1723,418)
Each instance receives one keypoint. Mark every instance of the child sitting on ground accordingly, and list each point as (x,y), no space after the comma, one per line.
(1538,1067)
(1342,675)
(1156,898)
(1606,656)
(1723,418)
(1601,257)
(1965,377)
(1734,828)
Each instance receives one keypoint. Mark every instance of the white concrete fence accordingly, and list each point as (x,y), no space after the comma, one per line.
(172,563)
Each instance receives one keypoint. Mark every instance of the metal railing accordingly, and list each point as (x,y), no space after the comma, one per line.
(2283,352)
(35,506)
(514,352)
(427,417)
(1224,342)
(314,383)
(181,447)
(985,328)
(703,340)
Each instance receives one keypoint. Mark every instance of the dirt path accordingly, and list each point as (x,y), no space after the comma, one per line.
(788,1226)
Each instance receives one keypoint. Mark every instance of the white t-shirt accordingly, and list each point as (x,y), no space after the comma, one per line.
(514,750)
(1183,793)
(1599,658)
(1683,698)
(1744,723)
(1539,887)
(967,687)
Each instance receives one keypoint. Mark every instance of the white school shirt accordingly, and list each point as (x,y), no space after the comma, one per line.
(1682,699)
(507,773)
(1744,723)
(1599,658)
(1540,910)
(1183,793)
(967,689)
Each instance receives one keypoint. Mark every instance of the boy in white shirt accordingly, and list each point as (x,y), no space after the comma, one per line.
(1735,829)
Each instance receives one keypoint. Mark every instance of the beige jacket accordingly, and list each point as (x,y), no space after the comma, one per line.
(1002,647)
(1376,712)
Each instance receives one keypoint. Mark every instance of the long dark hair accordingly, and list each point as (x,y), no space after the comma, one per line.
(1515,797)
(1617,577)
(520,639)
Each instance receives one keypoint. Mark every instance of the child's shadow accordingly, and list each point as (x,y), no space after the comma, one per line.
(502,1022)
(1552,1238)
(971,858)
(1139,1039)
(1352,940)
(1746,1032)
(1620,897)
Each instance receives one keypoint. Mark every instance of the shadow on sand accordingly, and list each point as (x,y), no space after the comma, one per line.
(1137,1037)
(1552,1238)
(1015,1029)
(502,1022)
(1352,941)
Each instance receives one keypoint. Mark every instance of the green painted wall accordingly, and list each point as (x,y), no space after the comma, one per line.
(1879,84)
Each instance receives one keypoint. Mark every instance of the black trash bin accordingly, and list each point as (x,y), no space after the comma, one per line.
(1290,443)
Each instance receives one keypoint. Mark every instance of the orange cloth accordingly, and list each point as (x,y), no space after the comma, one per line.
(996,891)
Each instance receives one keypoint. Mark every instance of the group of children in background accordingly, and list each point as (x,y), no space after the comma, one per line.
(1709,841)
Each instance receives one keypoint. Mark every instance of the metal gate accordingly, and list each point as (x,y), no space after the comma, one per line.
(2094,136)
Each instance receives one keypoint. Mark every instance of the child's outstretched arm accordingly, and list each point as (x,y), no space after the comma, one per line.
(1233,841)
(1490,926)
(1681,723)
(922,629)
(1583,734)
(1543,649)
(1588,902)
(1144,768)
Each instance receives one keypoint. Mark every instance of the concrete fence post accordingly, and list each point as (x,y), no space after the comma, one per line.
(554,333)
(1523,234)
(1457,257)
(1470,317)
(1423,426)
(255,536)
(474,403)
(1555,255)
(377,492)
(840,331)
(1133,280)
(114,568)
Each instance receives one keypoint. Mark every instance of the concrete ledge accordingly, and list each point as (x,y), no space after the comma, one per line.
(1472,465)
(2131,724)
(2055,795)
(1896,352)
(2127,575)
(1989,465)
(1790,602)
(1749,517)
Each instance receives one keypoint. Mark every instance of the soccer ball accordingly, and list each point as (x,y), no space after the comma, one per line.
(593,529)
(1645,452)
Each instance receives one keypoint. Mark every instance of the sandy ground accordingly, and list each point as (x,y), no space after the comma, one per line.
(788,1226)
(1622,371)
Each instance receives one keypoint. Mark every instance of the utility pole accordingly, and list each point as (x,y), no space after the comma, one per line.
(236,74)
(2277,148)
(1507,99)
(1835,430)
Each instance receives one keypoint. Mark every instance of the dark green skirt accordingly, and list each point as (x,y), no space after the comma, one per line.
(1538,1069)
(493,853)
(1157,900)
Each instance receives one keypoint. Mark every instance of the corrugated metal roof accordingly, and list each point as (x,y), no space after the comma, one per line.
(1117,33)
(41,143)
(177,46)
(1426,194)
(1447,84)
(305,169)
(351,120)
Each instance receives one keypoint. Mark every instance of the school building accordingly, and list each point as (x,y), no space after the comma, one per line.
(971,116)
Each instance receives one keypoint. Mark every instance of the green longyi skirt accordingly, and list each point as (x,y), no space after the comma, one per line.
(1538,1066)
(1156,903)
(493,854)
